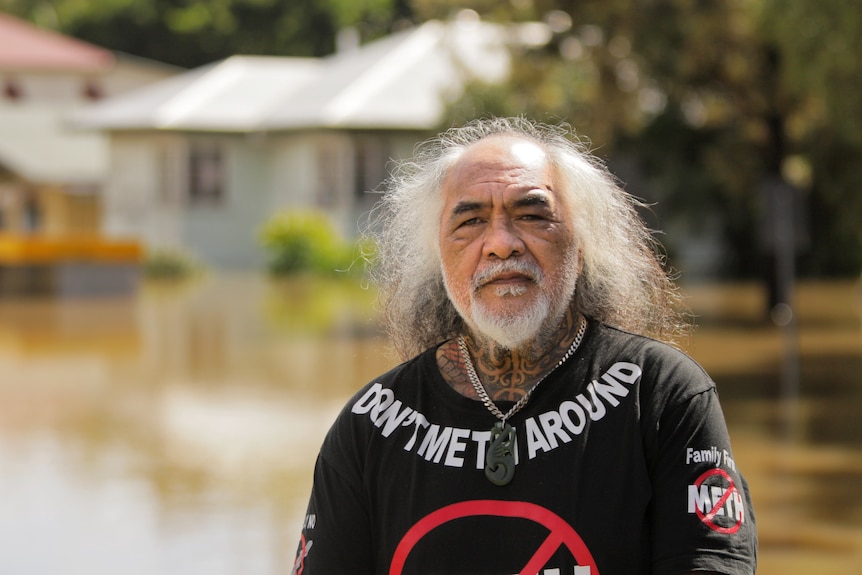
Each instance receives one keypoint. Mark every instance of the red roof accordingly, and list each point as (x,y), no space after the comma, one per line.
(25,47)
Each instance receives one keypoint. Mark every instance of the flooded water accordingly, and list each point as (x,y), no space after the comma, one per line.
(174,432)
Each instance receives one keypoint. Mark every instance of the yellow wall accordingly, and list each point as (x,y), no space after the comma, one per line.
(60,211)
(66,213)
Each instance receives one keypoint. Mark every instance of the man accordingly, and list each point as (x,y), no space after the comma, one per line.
(530,430)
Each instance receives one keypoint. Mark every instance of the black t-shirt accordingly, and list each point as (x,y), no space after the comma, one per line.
(624,467)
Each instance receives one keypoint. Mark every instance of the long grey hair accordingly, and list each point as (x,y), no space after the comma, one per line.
(623,282)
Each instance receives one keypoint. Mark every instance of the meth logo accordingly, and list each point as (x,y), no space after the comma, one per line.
(717,502)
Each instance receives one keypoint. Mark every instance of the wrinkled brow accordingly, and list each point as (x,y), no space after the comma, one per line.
(535,198)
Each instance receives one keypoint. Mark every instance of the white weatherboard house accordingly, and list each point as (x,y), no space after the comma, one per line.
(49,174)
(201,160)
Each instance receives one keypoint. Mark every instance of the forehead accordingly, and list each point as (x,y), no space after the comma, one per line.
(500,162)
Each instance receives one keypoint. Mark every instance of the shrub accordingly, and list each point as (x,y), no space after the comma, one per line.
(169,264)
(304,241)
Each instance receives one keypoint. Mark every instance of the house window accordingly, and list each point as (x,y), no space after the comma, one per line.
(12,89)
(206,173)
(93,91)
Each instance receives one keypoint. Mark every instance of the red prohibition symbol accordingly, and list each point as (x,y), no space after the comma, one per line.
(560,532)
(709,518)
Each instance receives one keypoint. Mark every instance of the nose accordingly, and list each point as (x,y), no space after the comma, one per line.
(502,240)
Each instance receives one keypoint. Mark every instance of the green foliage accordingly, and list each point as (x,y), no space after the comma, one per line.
(368,15)
(489,9)
(304,241)
(169,265)
(192,33)
(820,42)
(835,206)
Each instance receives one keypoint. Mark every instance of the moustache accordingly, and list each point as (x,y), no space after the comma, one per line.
(500,268)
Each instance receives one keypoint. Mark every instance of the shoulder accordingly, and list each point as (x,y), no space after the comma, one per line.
(404,380)
(351,435)
(402,376)
(615,338)
(665,371)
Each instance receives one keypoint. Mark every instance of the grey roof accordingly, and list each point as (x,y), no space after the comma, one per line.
(37,145)
(396,82)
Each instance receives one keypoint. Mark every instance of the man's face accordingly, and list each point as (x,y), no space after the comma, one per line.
(509,259)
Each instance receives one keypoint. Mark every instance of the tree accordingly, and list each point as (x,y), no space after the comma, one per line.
(191,33)
(700,102)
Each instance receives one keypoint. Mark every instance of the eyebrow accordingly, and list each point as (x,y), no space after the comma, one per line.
(463,207)
(533,198)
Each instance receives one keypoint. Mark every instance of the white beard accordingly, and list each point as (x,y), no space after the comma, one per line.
(515,329)
(511,330)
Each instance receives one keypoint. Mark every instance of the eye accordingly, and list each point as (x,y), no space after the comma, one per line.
(533,217)
(470,222)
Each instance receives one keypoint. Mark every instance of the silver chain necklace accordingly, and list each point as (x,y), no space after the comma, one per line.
(500,457)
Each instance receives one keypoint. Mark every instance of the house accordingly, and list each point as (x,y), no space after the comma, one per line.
(51,175)
(199,161)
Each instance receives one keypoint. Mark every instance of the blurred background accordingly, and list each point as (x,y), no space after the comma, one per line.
(183,305)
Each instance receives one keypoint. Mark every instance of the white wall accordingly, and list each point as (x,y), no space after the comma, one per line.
(315,170)
(142,197)
(294,172)
(147,195)
(223,234)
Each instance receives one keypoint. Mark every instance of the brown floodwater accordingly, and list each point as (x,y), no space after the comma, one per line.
(174,431)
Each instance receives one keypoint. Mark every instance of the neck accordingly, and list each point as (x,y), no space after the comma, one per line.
(507,374)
